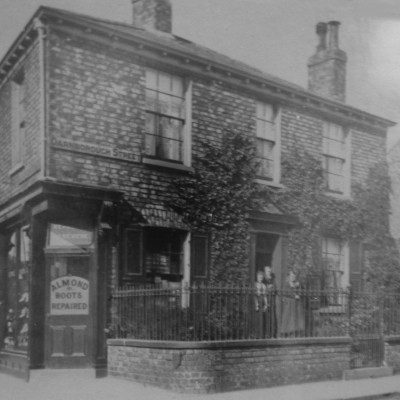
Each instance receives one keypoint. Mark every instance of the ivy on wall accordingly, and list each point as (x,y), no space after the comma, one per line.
(221,192)
(217,198)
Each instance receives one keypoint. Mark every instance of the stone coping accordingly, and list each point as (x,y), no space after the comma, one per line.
(392,339)
(163,344)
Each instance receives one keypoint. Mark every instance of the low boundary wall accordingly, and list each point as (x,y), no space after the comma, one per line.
(204,367)
(392,352)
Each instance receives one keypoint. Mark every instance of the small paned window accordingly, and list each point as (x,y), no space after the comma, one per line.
(266,141)
(165,116)
(335,158)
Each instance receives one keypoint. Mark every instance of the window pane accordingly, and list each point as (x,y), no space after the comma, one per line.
(333,266)
(170,140)
(163,251)
(265,155)
(150,139)
(164,82)
(151,79)
(266,130)
(151,100)
(334,173)
(333,140)
(265,111)
(177,86)
(133,252)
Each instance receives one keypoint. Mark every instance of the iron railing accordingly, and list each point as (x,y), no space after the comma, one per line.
(220,313)
(205,313)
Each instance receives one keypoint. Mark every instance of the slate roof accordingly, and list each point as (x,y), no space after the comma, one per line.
(172,41)
(179,48)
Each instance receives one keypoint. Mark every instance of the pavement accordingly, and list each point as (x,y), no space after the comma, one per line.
(81,384)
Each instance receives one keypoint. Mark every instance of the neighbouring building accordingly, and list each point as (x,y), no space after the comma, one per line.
(394,166)
(96,120)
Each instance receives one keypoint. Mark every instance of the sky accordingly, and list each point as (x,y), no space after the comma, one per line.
(276,36)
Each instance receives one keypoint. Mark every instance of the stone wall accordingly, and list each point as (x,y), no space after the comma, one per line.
(226,366)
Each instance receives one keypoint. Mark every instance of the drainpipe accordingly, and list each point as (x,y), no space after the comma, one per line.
(41,29)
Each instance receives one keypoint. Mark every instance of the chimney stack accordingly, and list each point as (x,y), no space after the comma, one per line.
(152,14)
(327,67)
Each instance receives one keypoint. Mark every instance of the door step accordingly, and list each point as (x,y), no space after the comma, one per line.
(364,373)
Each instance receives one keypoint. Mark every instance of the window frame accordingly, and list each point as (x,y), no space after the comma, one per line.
(275,121)
(344,157)
(184,158)
(344,267)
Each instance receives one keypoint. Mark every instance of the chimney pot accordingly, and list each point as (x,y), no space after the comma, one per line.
(321,30)
(333,28)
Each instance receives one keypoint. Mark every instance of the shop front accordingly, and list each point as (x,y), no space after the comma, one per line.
(56,254)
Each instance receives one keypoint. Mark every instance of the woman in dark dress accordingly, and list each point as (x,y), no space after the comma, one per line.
(292,308)
(271,320)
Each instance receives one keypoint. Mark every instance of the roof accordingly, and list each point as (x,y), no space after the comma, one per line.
(203,60)
(172,41)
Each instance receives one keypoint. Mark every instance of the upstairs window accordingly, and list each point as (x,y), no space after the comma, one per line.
(267,142)
(18,119)
(165,116)
(335,158)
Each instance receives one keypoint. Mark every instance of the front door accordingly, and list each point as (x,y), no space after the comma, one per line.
(67,310)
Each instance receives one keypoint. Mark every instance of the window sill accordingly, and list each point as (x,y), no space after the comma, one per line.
(341,196)
(267,182)
(166,164)
(333,309)
(17,168)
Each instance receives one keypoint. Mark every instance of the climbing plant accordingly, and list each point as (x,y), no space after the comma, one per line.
(220,193)
(217,197)
(363,218)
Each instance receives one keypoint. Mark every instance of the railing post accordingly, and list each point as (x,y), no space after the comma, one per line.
(349,294)
(381,323)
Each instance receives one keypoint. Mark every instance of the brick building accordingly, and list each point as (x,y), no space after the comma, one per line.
(96,121)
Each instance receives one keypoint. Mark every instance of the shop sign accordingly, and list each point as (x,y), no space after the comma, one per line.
(69,295)
(66,236)
(94,149)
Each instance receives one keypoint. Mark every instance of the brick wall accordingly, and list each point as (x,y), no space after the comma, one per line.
(226,366)
(97,96)
(11,184)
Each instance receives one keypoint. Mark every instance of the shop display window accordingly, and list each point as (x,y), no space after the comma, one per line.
(18,262)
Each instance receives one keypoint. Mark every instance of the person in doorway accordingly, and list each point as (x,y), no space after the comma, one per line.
(261,300)
(261,305)
(270,284)
(293,323)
